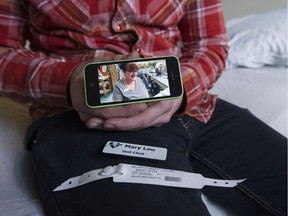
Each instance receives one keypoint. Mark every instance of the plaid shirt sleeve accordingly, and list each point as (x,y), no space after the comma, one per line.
(27,76)
(204,54)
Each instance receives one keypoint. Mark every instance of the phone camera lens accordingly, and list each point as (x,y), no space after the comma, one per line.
(92,85)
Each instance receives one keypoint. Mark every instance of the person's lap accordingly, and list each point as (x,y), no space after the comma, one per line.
(65,148)
(235,145)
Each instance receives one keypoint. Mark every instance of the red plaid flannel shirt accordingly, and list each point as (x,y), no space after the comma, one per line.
(64,33)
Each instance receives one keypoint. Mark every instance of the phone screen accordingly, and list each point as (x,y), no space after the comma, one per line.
(132,81)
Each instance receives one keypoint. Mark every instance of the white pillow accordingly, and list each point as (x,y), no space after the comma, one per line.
(258,39)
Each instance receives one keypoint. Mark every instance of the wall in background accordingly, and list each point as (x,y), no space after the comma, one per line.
(238,8)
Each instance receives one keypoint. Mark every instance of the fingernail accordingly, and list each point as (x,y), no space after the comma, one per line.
(109,126)
(93,125)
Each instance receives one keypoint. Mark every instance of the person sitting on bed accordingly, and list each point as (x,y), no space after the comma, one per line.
(201,133)
(130,87)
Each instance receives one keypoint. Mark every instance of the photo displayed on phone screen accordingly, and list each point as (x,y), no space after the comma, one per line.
(129,81)
(132,81)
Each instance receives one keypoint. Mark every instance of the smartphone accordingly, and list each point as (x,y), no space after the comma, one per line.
(132,81)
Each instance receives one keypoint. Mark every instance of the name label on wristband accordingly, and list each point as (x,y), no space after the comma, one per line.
(135,150)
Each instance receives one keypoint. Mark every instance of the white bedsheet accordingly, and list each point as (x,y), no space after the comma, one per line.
(263,91)
(18,195)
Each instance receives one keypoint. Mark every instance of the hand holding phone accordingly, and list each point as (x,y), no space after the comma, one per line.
(155,115)
(131,81)
(77,93)
(128,117)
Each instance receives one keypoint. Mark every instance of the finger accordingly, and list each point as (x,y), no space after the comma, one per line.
(152,116)
(120,111)
(158,125)
(165,110)
(156,114)
(84,116)
(90,121)
(94,123)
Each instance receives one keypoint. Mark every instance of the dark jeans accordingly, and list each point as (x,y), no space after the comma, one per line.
(232,145)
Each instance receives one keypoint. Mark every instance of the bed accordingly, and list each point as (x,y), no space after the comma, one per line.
(255,78)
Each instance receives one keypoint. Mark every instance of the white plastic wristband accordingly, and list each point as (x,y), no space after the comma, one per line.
(128,173)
